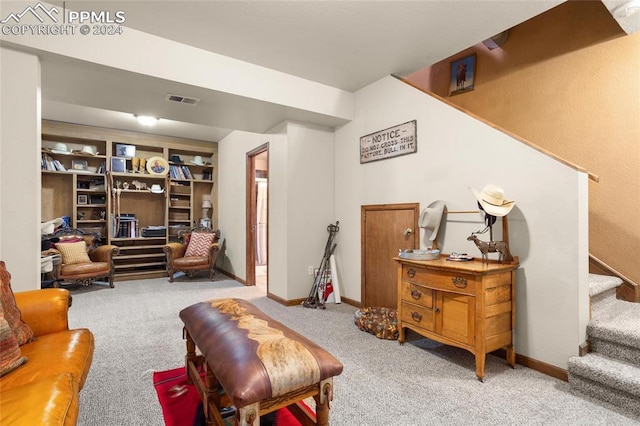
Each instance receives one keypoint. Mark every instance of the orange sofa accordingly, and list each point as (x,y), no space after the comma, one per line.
(45,389)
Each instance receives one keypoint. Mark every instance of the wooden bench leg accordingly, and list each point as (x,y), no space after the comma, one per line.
(323,400)
(209,391)
(249,415)
(191,354)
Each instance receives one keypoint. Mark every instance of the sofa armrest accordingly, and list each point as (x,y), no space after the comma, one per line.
(104,253)
(174,250)
(45,311)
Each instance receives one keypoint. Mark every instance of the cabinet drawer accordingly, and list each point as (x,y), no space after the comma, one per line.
(441,280)
(417,315)
(417,294)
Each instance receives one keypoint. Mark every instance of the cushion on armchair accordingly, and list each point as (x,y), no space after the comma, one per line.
(10,355)
(199,244)
(10,310)
(73,252)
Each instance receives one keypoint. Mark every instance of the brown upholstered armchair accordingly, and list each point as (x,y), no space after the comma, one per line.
(83,261)
(197,250)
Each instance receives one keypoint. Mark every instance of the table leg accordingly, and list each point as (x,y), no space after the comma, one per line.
(480,361)
(511,356)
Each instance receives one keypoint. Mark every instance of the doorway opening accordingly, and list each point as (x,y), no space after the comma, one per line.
(258,217)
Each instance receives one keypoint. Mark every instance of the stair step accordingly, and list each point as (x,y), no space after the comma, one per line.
(618,322)
(610,372)
(606,379)
(601,283)
(616,350)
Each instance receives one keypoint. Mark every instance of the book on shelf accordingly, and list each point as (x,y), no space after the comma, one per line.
(48,163)
(186,172)
(180,172)
(128,226)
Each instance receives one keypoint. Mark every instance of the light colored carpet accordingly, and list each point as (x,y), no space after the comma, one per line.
(137,330)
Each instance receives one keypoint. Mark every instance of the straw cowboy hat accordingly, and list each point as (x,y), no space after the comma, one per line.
(492,200)
(430,219)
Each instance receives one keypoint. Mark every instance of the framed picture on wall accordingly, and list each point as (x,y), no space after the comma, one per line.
(462,75)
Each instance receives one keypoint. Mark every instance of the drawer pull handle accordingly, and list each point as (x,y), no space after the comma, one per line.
(416,294)
(459,282)
(411,272)
(417,317)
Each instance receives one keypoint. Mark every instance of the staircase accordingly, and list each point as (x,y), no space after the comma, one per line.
(611,371)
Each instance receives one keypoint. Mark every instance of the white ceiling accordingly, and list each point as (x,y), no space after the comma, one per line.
(344,44)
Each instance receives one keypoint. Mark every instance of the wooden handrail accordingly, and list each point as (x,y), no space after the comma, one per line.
(612,270)
(574,166)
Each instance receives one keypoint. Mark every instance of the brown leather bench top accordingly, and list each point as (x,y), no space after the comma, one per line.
(253,356)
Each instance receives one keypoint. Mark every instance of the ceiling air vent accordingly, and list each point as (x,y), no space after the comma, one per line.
(182,99)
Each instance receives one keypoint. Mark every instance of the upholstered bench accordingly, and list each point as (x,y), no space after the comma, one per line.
(259,363)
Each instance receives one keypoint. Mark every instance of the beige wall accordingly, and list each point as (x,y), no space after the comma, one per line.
(456,151)
(300,202)
(20,168)
(568,82)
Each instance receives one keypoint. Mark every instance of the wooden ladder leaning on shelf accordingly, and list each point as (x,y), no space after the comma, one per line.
(115,193)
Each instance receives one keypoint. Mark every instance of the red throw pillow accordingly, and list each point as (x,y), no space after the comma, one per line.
(20,329)
(199,244)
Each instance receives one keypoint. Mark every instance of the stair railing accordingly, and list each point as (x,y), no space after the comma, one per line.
(628,290)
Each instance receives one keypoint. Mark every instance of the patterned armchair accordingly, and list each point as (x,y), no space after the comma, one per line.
(83,261)
(197,250)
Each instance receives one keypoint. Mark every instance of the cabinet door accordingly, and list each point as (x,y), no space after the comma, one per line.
(455,315)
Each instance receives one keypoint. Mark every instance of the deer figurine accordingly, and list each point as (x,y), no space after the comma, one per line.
(492,247)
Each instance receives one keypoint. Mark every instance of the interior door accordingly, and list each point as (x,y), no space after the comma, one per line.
(252,213)
(386,229)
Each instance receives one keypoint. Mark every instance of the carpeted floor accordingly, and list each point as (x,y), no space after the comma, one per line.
(138,331)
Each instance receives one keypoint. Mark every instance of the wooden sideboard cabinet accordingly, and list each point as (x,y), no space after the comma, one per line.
(469,304)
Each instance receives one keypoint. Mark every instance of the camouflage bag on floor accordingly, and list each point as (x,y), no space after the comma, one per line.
(379,321)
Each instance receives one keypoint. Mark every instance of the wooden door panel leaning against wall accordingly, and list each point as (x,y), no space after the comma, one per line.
(385,228)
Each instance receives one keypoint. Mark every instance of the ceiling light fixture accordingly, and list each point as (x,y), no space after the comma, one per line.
(146,120)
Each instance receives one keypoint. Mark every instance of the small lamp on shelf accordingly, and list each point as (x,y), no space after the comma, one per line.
(205,221)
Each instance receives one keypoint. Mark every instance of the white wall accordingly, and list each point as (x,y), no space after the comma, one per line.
(547,226)
(300,202)
(231,206)
(309,203)
(20,168)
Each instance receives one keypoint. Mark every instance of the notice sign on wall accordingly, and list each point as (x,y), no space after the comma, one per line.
(387,143)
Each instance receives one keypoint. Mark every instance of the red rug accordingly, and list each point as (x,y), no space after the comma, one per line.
(179,402)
